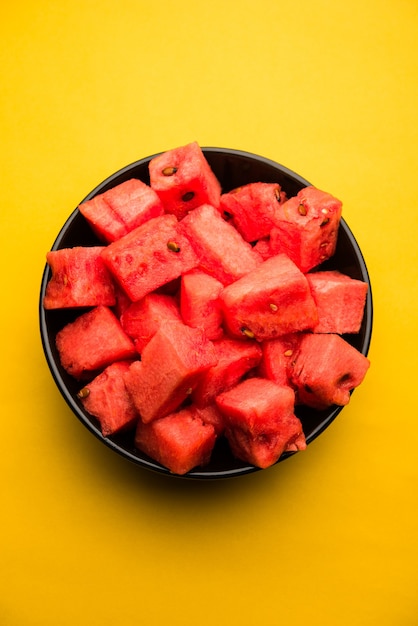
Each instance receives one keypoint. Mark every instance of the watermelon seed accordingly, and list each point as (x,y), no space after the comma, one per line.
(302,209)
(288,353)
(227,215)
(189,391)
(83,393)
(173,246)
(248,333)
(169,171)
(273,306)
(187,196)
(324,244)
(324,222)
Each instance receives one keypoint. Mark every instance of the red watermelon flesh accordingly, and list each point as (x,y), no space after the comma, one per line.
(296,444)
(123,301)
(260,423)
(234,359)
(251,208)
(262,247)
(306,227)
(340,301)
(180,441)
(79,279)
(103,221)
(221,250)
(142,319)
(92,342)
(107,399)
(326,369)
(278,355)
(200,306)
(272,300)
(211,415)
(135,202)
(170,367)
(150,256)
(184,180)
(119,210)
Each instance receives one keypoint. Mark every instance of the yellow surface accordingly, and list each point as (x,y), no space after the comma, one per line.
(328,88)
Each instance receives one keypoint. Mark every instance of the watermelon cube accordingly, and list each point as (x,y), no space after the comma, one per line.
(260,423)
(107,399)
(93,341)
(142,319)
(180,441)
(277,359)
(340,301)
(150,256)
(251,208)
(306,227)
(326,369)
(183,180)
(221,250)
(200,305)
(119,210)
(235,358)
(171,364)
(105,224)
(79,279)
(272,300)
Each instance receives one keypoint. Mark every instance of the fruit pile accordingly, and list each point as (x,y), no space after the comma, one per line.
(205,314)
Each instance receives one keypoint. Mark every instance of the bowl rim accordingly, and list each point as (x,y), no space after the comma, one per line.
(198,473)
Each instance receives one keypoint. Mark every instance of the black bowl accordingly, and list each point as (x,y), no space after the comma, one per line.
(232,168)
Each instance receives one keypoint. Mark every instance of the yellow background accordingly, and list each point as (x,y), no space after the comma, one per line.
(327,88)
